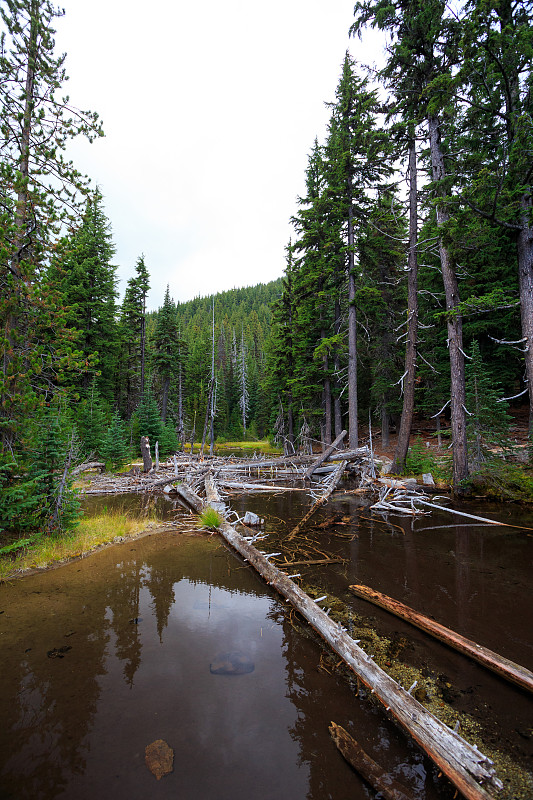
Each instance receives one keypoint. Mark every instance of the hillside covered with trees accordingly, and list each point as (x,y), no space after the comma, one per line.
(408,283)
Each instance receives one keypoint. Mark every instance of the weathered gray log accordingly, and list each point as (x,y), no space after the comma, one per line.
(467,768)
(213,498)
(145,452)
(259,487)
(88,465)
(502,666)
(190,497)
(376,776)
(359,453)
(335,478)
(322,457)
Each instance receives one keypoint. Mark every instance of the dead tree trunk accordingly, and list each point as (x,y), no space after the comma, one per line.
(207,416)
(145,452)
(352,339)
(402,446)
(335,478)
(376,776)
(502,666)
(326,454)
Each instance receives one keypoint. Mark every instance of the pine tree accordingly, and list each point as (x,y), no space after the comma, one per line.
(488,420)
(165,349)
(87,281)
(38,189)
(133,337)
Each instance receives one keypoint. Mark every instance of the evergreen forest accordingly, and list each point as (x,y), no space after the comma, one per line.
(407,288)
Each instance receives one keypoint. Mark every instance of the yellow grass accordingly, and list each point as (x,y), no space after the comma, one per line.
(89,534)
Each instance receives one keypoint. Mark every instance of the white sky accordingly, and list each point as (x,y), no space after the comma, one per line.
(210,110)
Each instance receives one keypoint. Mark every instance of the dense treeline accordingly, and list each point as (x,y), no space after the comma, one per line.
(402,296)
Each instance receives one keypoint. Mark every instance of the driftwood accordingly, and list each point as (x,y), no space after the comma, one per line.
(212,496)
(335,478)
(313,562)
(464,765)
(323,456)
(258,487)
(373,774)
(502,666)
(88,465)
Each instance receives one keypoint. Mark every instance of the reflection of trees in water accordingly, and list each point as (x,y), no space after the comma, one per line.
(45,714)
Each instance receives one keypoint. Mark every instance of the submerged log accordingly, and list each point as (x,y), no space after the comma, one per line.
(373,774)
(502,666)
(467,768)
(323,456)
(337,475)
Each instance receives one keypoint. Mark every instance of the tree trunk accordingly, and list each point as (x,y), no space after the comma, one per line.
(525,282)
(145,452)
(454,322)
(502,666)
(378,778)
(337,413)
(207,415)
(164,400)
(325,455)
(402,446)
(352,340)
(385,440)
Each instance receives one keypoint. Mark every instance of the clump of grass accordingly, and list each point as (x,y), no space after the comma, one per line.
(210,519)
(502,481)
(90,533)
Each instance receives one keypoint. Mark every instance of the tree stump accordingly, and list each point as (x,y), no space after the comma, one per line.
(145,452)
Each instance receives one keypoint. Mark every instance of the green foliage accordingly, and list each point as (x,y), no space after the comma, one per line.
(487,418)
(148,419)
(503,481)
(210,519)
(420,459)
(114,449)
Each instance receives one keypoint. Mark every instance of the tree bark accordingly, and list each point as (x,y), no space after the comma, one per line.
(376,776)
(337,413)
(352,339)
(145,452)
(525,282)
(402,446)
(326,454)
(335,478)
(454,321)
(502,666)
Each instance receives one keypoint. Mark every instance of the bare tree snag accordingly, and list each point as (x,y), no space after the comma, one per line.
(145,452)
(323,456)
(373,774)
(501,666)
(335,478)
(402,446)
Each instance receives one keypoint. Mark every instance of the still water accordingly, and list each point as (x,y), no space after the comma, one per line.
(105,655)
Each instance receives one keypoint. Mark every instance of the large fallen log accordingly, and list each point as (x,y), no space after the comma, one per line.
(212,496)
(468,769)
(335,478)
(502,666)
(99,465)
(376,776)
(323,456)
(258,487)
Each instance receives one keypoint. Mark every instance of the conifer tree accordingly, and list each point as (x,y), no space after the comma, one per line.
(165,349)
(133,336)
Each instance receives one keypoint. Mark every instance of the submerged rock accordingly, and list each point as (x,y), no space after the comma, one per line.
(252,519)
(159,758)
(231,664)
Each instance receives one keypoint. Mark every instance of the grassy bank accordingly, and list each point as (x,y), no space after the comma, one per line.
(90,533)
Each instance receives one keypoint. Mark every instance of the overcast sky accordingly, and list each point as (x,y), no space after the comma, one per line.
(210,110)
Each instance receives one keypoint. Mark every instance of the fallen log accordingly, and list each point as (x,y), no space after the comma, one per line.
(313,562)
(322,457)
(88,465)
(335,478)
(190,497)
(259,487)
(501,666)
(467,768)
(373,774)
(213,498)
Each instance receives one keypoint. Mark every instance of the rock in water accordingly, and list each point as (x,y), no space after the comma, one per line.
(252,519)
(231,664)
(159,758)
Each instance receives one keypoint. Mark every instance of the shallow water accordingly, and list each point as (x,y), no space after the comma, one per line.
(143,623)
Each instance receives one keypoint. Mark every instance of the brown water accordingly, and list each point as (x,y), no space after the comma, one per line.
(143,622)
